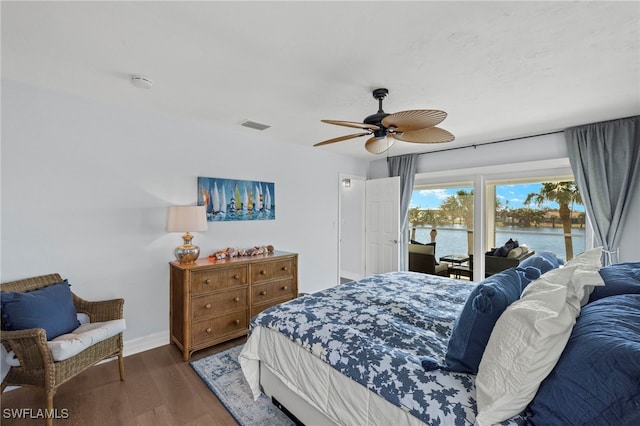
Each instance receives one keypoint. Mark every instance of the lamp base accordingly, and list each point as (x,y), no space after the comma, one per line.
(187,254)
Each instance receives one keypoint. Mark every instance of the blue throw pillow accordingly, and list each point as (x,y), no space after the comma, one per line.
(597,379)
(621,278)
(50,308)
(544,261)
(483,307)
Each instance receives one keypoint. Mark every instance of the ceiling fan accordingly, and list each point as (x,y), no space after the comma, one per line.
(417,126)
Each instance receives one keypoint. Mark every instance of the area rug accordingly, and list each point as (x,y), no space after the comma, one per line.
(223,375)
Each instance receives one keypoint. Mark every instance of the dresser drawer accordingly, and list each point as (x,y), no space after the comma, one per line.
(276,290)
(218,279)
(217,303)
(211,329)
(265,271)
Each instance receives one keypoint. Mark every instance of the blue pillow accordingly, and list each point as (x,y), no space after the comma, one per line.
(597,379)
(621,278)
(49,307)
(483,307)
(544,261)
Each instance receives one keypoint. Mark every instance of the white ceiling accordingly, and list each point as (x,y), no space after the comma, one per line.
(500,69)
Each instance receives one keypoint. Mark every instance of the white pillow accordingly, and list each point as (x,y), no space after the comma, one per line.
(587,262)
(529,338)
(513,253)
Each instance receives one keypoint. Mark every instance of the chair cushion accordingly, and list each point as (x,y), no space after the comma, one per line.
(71,344)
(50,308)
(422,248)
(516,252)
(442,268)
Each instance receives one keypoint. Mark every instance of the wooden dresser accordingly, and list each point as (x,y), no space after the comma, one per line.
(213,300)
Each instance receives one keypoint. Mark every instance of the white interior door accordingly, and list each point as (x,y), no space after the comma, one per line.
(382,232)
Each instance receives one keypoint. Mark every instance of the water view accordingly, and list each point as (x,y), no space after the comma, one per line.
(453,239)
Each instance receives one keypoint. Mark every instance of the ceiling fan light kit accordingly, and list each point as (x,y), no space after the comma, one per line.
(415,126)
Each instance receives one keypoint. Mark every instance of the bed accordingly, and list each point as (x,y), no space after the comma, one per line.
(376,351)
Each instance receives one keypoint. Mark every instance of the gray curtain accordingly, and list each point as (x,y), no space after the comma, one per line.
(605,158)
(405,167)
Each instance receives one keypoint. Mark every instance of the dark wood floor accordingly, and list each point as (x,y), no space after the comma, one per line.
(159,389)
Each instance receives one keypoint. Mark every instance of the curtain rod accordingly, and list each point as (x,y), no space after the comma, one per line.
(474,146)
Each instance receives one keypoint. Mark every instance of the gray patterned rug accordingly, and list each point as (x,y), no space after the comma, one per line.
(222,374)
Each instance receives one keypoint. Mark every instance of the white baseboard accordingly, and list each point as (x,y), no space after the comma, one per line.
(145,343)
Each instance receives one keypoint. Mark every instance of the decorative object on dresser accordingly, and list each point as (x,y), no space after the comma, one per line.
(186,219)
(213,300)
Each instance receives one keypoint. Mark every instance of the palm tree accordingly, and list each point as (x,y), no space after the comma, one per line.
(565,194)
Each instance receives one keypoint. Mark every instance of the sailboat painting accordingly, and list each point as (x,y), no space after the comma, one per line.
(232,199)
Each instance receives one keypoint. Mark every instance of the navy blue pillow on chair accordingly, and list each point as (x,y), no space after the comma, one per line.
(483,307)
(49,307)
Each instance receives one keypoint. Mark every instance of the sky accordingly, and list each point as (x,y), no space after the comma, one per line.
(513,194)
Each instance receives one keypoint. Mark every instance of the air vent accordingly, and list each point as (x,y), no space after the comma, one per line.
(254,125)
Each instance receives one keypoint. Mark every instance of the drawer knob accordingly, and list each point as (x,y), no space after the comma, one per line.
(284,287)
(208,306)
(207,281)
(284,268)
(237,322)
(263,292)
(236,277)
(263,272)
(208,330)
(237,299)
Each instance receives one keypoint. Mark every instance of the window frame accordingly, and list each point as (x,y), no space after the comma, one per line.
(482,178)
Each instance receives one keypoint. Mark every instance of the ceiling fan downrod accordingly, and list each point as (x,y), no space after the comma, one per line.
(380,94)
(376,119)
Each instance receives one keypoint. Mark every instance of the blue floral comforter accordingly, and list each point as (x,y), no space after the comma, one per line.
(377,330)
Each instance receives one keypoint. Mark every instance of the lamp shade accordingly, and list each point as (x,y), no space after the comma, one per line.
(187,219)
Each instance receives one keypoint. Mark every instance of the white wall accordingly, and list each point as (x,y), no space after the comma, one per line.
(470,162)
(86,186)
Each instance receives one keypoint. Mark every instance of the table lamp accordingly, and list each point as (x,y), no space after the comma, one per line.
(186,219)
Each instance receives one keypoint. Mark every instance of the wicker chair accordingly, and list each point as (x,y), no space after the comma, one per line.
(37,367)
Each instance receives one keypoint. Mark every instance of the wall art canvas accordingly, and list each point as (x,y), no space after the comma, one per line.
(232,199)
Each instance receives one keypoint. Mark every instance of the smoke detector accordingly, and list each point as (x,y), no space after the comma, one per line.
(141,82)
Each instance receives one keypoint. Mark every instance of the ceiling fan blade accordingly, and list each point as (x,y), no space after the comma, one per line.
(352,124)
(430,135)
(379,145)
(408,121)
(341,138)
